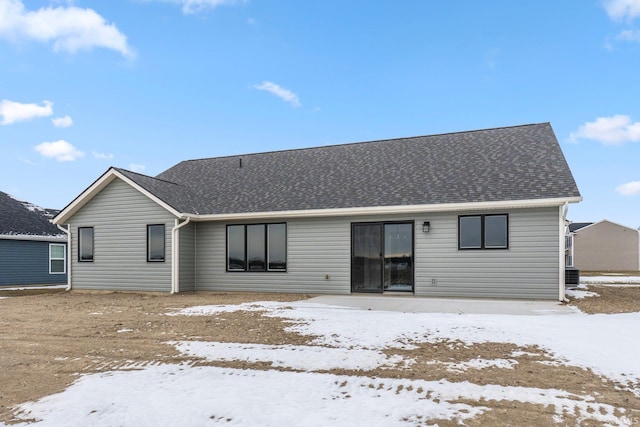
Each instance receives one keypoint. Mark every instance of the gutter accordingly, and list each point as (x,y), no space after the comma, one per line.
(175,255)
(384,210)
(67,231)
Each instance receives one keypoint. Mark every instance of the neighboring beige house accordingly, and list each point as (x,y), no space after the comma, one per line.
(605,246)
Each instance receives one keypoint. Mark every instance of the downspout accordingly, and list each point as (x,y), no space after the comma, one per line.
(67,231)
(175,254)
(563,233)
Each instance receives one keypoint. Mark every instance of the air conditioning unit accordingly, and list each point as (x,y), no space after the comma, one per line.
(571,276)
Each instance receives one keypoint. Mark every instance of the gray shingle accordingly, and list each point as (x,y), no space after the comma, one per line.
(511,163)
(175,195)
(23,218)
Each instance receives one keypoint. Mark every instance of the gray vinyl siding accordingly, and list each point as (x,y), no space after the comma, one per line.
(528,269)
(315,248)
(119,215)
(187,255)
(319,258)
(26,262)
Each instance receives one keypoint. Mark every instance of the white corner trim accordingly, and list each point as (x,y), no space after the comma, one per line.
(69,253)
(562,221)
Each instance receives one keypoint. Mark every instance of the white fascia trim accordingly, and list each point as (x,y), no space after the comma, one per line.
(387,210)
(98,186)
(51,239)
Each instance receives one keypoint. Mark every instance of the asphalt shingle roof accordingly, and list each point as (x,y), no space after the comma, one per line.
(23,218)
(575,226)
(175,195)
(511,163)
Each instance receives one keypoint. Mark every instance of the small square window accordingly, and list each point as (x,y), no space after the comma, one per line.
(57,258)
(483,231)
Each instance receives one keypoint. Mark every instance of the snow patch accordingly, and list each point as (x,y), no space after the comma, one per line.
(580,294)
(183,395)
(306,358)
(569,338)
(610,280)
(479,363)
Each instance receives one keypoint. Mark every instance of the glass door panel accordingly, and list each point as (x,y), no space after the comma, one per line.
(366,258)
(398,257)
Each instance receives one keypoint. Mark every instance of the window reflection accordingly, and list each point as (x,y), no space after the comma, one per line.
(277,245)
(257,247)
(235,247)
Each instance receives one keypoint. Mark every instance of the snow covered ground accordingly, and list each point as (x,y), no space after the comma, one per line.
(351,339)
(610,279)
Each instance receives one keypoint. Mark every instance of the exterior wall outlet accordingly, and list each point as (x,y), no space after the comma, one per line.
(434,282)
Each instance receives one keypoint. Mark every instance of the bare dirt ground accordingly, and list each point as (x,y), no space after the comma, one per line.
(50,337)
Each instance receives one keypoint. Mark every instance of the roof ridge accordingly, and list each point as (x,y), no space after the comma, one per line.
(147,176)
(231,156)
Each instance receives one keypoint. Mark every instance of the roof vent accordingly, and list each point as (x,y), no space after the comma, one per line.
(240,162)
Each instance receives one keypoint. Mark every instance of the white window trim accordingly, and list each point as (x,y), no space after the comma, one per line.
(64,258)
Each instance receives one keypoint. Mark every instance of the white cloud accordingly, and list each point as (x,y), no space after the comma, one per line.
(280,92)
(60,150)
(609,130)
(622,9)
(629,35)
(27,161)
(195,6)
(69,28)
(136,167)
(62,122)
(629,189)
(12,112)
(102,156)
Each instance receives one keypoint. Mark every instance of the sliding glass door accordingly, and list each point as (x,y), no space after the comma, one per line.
(382,257)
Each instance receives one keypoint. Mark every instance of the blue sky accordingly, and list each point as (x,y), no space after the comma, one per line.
(85,85)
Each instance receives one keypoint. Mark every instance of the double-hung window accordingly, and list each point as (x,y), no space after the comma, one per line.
(155,243)
(57,258)
(483,231)
(85,244)
(257,247)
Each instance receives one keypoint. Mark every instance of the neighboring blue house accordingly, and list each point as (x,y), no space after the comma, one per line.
(32,250)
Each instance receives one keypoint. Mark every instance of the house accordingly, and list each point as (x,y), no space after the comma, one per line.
(467,214)
(32,249)
(605,246)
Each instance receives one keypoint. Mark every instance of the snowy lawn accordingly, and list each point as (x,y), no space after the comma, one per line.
(303,393)
(611,279)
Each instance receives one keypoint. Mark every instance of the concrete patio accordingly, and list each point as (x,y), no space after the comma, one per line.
(413,304)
